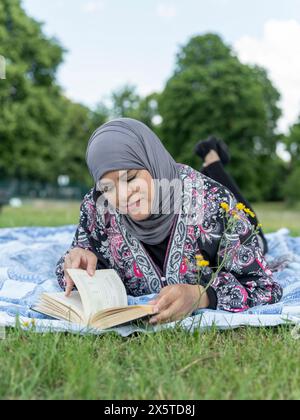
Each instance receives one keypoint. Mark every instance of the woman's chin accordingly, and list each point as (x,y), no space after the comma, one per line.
(139,216)
(139,213)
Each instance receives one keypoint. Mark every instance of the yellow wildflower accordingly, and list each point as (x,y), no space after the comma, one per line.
(203,263)
(260,225)
(235,214)
(26,324)
(250,212)
(225,207)
(240,206)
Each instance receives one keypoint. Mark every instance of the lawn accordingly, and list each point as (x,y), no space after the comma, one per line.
(246,363)
(55,213)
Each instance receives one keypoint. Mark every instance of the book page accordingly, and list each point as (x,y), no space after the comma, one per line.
(73,301)
(102,291)
(59,306)
(110,319)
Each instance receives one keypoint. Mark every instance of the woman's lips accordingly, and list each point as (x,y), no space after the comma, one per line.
(136,204)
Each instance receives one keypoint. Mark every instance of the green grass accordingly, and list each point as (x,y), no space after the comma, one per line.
(247,363)
(278,215)
(243,364)
(54,213)
(40,213)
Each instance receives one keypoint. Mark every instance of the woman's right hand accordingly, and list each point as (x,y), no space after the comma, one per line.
(78,258)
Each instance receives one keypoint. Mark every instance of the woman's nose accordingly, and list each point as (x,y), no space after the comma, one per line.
(132,190)
(125,196)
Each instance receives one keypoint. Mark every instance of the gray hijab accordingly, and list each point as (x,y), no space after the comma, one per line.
(124,144)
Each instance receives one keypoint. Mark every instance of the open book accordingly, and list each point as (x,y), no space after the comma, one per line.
(100,302)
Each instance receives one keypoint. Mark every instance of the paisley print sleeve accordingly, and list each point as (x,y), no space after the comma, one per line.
(89,235)
(245,280)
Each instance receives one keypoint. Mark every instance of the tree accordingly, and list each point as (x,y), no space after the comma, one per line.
(125,102)
(80,123)
(291,187)
(211,92)
(293,143)
(31,118)
(202,51)
(43,134)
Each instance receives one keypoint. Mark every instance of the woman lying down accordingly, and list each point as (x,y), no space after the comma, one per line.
(156,237)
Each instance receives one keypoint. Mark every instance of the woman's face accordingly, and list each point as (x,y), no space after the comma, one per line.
(129,191)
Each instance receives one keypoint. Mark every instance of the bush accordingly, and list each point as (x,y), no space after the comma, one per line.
(292,186)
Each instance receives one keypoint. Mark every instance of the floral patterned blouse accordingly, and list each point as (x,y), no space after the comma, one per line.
(245,280)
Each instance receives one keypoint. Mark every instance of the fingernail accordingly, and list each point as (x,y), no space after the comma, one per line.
(153,320)
(155,309)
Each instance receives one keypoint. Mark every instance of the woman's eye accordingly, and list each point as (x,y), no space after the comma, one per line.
(105,190)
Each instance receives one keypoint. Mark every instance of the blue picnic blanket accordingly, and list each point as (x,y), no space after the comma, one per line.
(27,262)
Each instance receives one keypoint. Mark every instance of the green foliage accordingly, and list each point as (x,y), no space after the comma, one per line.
(127,103)
(79,123)
(293,143)
(202,51)
(211,92)
(291,187)
(42,133)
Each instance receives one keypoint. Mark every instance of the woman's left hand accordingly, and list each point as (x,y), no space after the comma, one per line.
(178,301)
